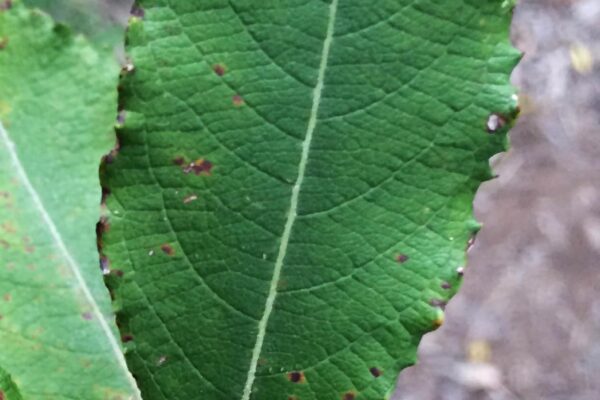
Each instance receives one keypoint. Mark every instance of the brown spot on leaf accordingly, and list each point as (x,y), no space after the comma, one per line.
(5,5)
(2,397)
(7,297)
(349,396)
(200,166)
(179,160)
(127,338)
(3,42)
(296,377)
(460,271)
(446,285)
(237,100)
(167,249)
(219,69)
(190,198)
(402,258)
(376,372)
(4,244)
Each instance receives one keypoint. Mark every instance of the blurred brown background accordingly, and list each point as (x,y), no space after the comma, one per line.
(526,324)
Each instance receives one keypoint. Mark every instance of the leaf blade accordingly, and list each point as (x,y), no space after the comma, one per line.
(56,314)
(383,213)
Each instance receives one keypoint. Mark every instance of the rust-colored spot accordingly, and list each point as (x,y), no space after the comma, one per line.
(190,198)
(126,338)
(87,315)
(289,398)
(179,161)
(376,372)
(3,42)
(402,258)
(200,166)
(349,396)
(5,5)
(219,69)
(237,100)
(2,395)
(167,249)
(446,285)
(296,377)
(7,297)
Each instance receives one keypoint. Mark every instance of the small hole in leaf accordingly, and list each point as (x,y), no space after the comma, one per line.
(495,122)
(161,360)
(190,198)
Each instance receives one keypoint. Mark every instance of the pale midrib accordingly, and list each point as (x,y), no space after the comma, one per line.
(292,213)
(57,238)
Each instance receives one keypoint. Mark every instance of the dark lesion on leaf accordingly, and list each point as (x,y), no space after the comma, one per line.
(219,69)
(401,258)
(376,372)
(296,377)
(167,249)
(349,396)
(126,338)
(3,42)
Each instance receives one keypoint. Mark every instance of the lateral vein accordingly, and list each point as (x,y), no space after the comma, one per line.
(292,212)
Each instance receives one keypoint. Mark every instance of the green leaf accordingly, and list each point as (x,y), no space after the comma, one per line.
(57,102)
(293,193)
(8,389)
